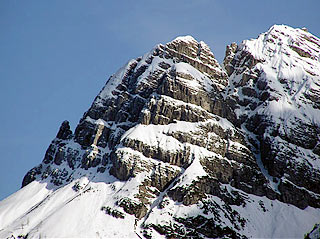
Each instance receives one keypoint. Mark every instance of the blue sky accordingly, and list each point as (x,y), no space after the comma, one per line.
(55,56)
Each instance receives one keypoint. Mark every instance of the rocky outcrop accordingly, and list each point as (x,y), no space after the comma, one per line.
(287,138)
(64,131)
(229,56)
(315,232)
(189,149)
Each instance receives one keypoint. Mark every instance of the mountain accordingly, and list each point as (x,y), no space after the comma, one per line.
(177,146)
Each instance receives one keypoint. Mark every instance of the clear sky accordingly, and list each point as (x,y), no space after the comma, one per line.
(55,56)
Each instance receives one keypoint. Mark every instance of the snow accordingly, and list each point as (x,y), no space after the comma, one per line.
(157,135)
(279,221)
(151,67)
(199,80)
(154,138)
(289,77)
(114,81)
(315,234)
(194,171)
(265,218)
(73,209)
(186,39)
(63,212)
(15,205)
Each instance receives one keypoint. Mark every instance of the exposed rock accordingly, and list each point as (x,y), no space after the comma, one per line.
(315,232)
(227,61)
(193,150)
(131,207)
(31,175)
(64,131)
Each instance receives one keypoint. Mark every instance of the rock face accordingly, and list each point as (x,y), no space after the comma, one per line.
(272,85)
(177,146)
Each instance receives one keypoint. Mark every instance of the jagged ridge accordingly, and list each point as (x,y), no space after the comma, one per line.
(175,145)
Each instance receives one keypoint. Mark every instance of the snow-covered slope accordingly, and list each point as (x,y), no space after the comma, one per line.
(276,81)
(174,148)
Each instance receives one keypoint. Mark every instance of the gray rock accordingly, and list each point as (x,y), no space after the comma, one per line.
(64,131)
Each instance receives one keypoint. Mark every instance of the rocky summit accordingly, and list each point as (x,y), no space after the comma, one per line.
(177,146)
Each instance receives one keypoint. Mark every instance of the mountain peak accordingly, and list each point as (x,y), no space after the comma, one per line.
(201,46)
(198,54)
(186,39)
(286,28)
(284,40)
(174,147)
